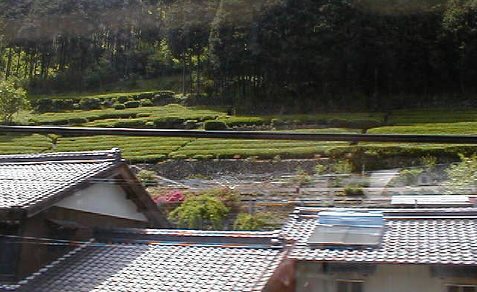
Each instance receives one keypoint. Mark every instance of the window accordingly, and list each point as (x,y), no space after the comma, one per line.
(349,286)
(461,288)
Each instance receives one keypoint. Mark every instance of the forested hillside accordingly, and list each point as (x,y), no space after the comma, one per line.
(282,55)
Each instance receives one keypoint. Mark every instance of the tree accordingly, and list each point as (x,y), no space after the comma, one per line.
(200,212)
(12,100)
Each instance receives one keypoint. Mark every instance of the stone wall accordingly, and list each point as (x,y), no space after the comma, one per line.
(180,169)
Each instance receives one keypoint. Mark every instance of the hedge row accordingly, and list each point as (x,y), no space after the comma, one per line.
(162,97)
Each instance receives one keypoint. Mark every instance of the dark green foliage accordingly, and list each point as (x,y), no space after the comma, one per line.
(164,98)
(245,221)
(90,103)
(119,106)
(129,123)
(214,125)
(145,95)
(63,104)
(200,212)
(245,121)
(169,123)
(267,55)
(122,99)
(77,121)
(146,102)
(43,105)
(353,191)
(147,177)
(132,104)
(191,124)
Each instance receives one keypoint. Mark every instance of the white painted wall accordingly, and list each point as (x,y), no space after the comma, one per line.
(386,278)
(105,199)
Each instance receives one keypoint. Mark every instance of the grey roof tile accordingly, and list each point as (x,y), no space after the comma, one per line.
(28,180)
(162,267)
(442,237)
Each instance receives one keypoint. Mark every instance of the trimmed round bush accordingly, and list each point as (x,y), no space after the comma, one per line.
(122,99)
(132,104)
(77,121)
(215,126)
(119,106)
(169,123)
(145,95)
(43,105)
(146,102)
(90,103)
(191,124)
(63,104)
(129,124)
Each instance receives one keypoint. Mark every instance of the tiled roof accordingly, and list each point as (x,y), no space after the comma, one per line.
(447,236)
(166,264)
(29,180)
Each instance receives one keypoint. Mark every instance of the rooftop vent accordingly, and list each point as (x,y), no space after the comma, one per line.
(347,229)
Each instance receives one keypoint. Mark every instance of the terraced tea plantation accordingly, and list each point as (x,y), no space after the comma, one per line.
(149,149)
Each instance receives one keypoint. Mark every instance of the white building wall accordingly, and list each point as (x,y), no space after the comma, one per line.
(383,278)
(105,199)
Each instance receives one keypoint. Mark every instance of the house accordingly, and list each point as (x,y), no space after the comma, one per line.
(165,260)
(390,250)
(64,196)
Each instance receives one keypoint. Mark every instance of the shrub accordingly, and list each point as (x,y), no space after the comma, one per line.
(244,121)
(321,169)
(428,161)
(147,177)
(462,176)
(90,103)
(119,106)
(215,126)
(145,95)
(169,123)
(76,106)
(43,105)
(63,104)
(200,212)
(277,122)
(129,124)
(132,104)
(123,99)
(342,167)
(143,115)
(191,124)
(163,100)
(77,121)
(107,103)
(354,191)
(301,177)
(165,93)
(146,102)
(409,176)
(363,124)
(251,222)
(149,124)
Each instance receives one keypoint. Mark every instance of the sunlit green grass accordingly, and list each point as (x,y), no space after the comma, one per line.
(457,128)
